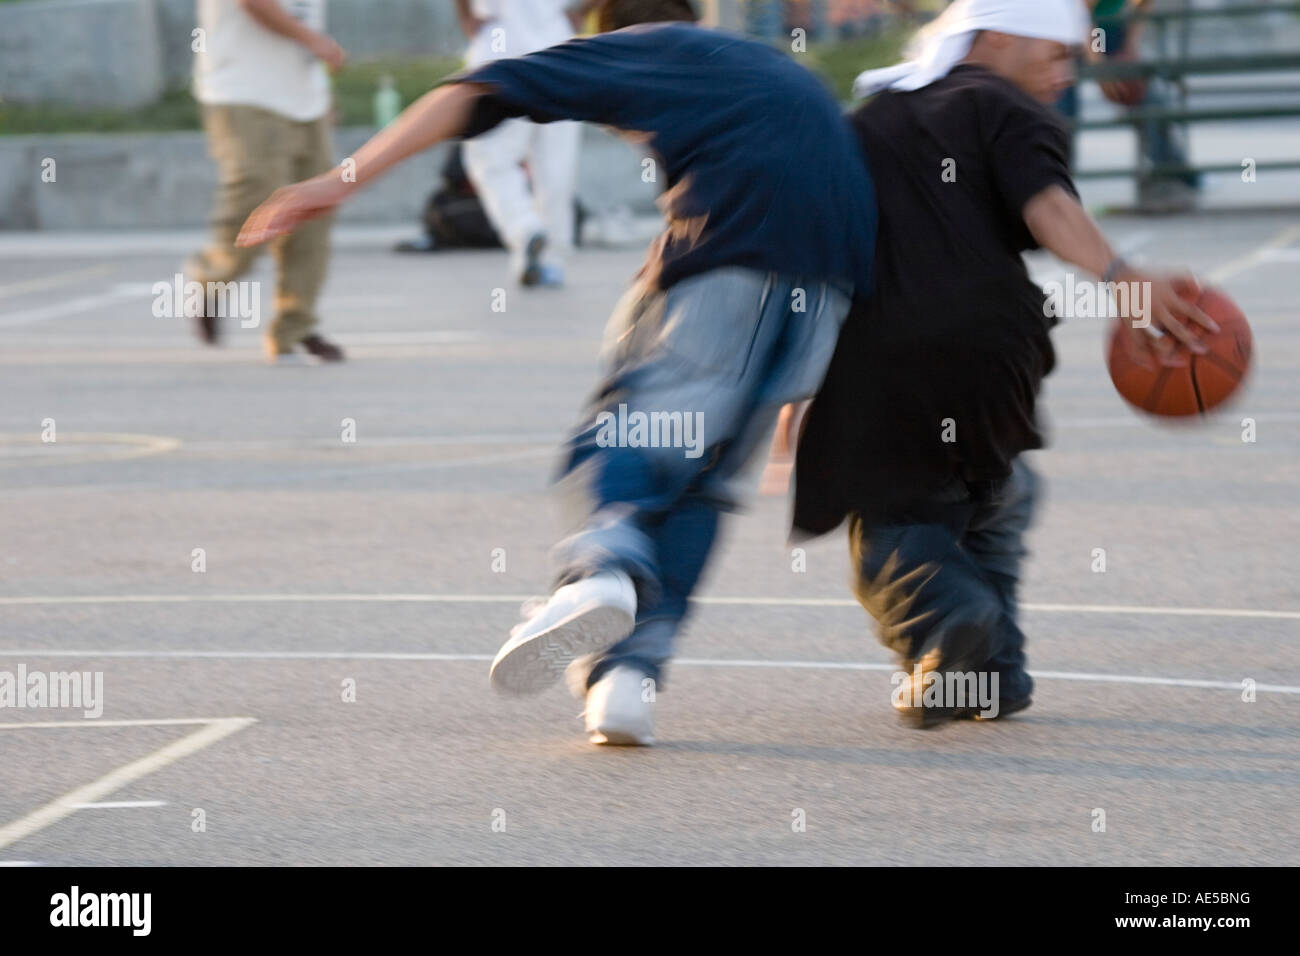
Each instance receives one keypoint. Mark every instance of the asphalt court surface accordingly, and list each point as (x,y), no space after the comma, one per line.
(372,562)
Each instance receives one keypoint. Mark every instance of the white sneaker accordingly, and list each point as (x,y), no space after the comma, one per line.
(586,617)
(576,674)
(620,709)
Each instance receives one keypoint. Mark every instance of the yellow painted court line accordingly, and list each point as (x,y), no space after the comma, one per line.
(53,281)
(59,310)
(66,805)
(1251,259)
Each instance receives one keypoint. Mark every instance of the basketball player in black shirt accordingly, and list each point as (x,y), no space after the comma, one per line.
(916,434)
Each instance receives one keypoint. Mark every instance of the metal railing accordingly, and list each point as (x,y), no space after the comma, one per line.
(1173,65)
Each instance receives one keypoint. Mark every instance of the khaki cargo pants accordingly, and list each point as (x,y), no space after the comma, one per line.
(256,152)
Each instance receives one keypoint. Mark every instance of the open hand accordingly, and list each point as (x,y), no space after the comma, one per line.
(1171,308)
(289,207)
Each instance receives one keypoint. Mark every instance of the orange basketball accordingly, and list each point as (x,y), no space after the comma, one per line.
(1184,384)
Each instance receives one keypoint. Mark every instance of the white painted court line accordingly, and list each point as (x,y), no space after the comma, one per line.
(66,805)
(1171,611)
(1134,421)
(1045,675)
(119,805)
(391,441)
(520,598)
(58,310)
(135,446)
(246,348)
(1041,608)
(180,654)
(53,281)
(87,722)
(89,654)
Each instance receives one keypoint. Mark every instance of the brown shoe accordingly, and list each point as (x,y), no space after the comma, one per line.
(323,350)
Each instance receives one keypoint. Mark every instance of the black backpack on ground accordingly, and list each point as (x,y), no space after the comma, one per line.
(454,217)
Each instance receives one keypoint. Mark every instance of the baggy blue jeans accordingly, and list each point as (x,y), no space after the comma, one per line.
(695,377)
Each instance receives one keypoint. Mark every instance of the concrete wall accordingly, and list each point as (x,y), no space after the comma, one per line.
(85,53)
(164,180)
(376,28)
(125,53)
(176,20)
(367,29)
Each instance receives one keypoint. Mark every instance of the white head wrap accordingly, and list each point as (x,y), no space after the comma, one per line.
(944,42)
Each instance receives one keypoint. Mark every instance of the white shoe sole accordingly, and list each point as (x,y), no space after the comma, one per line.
(538,662)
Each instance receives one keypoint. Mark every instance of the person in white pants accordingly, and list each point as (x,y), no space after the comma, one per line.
(535,224)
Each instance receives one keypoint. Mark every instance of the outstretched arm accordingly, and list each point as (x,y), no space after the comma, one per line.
(436,116)
(439,115)
(1061,225)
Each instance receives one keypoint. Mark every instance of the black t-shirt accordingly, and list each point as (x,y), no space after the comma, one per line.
(937,370)
(761,167)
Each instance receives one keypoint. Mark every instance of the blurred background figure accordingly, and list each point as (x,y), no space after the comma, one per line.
(1118,30)
(535,224)
(833,19)
(264,92)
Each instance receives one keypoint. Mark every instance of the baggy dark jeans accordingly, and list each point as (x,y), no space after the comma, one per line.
(942,577)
